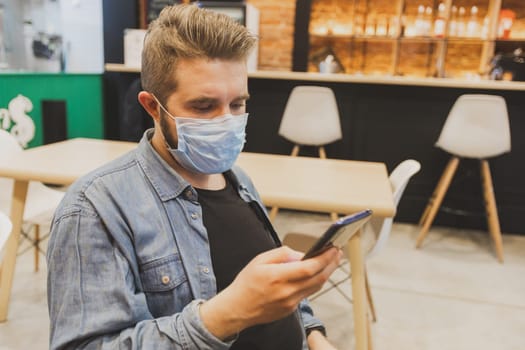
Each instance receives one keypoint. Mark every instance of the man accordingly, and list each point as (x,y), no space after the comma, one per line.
(168,247)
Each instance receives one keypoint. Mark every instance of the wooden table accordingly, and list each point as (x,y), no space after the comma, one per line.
(58,163)
(327,185)
(300,183)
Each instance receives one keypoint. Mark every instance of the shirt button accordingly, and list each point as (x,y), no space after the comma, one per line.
(165,279)
(205,270)
(189,194)
(194,216)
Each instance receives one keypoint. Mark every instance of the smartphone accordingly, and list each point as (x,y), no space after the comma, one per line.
(339,233)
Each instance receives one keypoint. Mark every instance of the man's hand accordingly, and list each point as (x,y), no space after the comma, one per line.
(269,288)
(317,341)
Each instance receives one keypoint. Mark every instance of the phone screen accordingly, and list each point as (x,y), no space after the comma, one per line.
(339,233)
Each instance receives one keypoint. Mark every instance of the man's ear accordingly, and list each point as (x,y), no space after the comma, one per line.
(150,104)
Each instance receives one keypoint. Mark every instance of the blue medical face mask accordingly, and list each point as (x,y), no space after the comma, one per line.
(208,146)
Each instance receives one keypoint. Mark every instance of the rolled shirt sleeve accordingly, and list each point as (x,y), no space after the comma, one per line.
(309,320)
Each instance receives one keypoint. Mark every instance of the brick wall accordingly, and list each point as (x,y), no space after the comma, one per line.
(276,29)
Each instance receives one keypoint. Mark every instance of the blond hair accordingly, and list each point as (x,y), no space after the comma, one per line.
(187,31)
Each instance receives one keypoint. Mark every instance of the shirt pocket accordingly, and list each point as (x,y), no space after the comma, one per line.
(165,285)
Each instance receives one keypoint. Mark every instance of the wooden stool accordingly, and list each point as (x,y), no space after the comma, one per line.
(476,127)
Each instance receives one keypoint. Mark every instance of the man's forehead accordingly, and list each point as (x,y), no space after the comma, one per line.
(209,78)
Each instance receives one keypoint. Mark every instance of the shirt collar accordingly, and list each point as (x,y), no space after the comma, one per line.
(167,182)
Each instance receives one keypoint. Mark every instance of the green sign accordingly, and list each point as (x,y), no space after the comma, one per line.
(81,93)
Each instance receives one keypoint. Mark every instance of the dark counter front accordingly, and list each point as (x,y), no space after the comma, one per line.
(390,123)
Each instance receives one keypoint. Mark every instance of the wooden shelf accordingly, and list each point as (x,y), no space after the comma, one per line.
(443,56)
(119,67)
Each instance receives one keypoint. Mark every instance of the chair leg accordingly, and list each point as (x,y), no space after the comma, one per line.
(36,242)
(437,198)
(427,208)
(432,198)
(491,209)
(322,152)
(273,213)
(295,151)
(369,297)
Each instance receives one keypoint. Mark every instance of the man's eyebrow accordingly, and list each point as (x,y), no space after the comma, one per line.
(204,99)
(245,97)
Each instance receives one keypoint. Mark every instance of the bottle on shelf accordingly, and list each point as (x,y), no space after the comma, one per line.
(382,25)
(428,21)
(330,26)
(453,23)
(402,25)
(370,28)
(419,24)
(461,25)
(28,32)
(472,24)
(393,26)
(439,22)
(506,19)
(359,23)
(485,28)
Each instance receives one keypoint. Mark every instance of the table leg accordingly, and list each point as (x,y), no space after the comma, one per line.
(359,292)
(11,247)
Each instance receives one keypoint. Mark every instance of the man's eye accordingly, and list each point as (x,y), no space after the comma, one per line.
(203,107)
(238,105)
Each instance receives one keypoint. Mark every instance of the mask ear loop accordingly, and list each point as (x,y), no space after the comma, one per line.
(166,143)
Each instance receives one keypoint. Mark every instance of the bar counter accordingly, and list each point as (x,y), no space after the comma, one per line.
(364,79)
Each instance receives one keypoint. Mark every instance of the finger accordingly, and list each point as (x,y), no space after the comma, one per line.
(278,255)
(320,278)
(306,269)
(307,287)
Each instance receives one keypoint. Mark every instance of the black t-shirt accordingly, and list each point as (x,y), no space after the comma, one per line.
(236,236)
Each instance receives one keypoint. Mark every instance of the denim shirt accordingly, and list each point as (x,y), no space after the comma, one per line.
(129,259)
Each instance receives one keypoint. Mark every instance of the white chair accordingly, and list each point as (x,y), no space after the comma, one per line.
(41,200)
(311,118)
(476,127)
(374,235)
